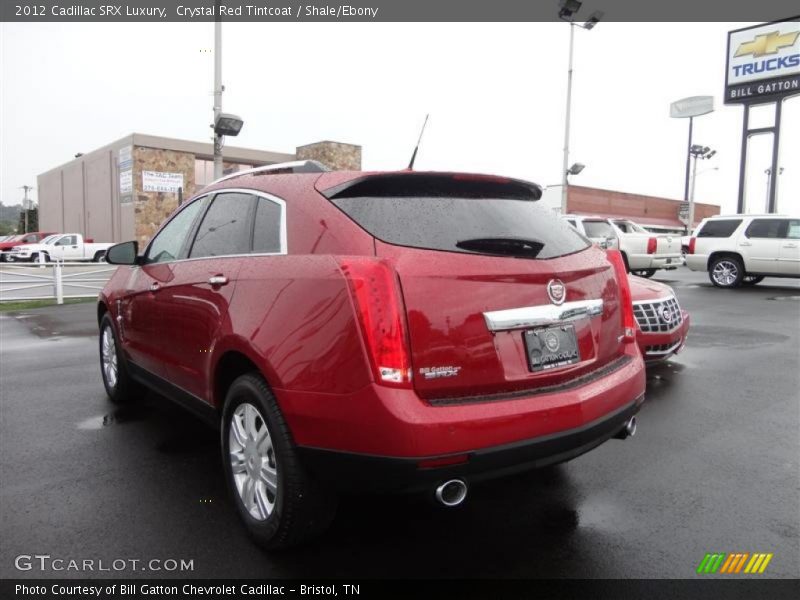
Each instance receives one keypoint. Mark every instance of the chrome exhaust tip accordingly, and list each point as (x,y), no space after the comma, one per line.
(451,493)
(628,430)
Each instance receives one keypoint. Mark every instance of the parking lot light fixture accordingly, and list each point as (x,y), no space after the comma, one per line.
(569,8)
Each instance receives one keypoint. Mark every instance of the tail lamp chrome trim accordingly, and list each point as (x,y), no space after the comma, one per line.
(540,316)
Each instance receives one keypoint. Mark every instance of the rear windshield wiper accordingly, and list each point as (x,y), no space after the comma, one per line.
(503,246)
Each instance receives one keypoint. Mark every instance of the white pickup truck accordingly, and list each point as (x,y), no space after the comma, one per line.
(644,251)
(62,246)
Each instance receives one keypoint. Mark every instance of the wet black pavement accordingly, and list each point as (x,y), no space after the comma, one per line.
(713,468)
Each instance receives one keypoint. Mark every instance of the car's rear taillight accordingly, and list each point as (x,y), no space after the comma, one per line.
(625,298)
(692,242)
(652,244)
(376,296)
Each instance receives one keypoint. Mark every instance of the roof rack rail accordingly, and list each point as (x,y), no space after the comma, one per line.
(297,166)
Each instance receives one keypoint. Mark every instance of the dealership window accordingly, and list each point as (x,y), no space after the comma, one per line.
(225,228)
(765,228)
(719,229)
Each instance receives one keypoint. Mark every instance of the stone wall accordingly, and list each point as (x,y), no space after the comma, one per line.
(334,155)
(152,208)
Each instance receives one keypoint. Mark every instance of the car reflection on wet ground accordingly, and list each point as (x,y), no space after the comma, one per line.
(713,467)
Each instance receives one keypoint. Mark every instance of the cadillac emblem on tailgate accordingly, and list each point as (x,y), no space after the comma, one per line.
(557,291)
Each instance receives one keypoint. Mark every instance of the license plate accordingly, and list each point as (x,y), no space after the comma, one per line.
(551,347)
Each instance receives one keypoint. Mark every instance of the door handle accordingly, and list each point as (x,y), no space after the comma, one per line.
(790,246)
(154,287)
(745,244)
(218,280)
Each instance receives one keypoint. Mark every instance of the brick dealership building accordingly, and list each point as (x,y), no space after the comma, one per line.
(125,190)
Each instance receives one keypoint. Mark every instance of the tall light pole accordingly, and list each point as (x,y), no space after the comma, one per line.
(699,153)
(569,8)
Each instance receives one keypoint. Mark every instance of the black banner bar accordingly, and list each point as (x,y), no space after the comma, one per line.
(385,10)
(734,587)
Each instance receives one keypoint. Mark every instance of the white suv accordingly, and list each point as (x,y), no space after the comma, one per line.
(743,249)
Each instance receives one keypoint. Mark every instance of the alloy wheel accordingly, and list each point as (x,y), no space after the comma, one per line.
(725,273)
(109,358)
(253,461)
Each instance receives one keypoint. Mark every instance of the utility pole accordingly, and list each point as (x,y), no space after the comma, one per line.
(26,203)
(217,89)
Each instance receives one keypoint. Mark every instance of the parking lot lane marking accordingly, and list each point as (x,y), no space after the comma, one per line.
(765,563)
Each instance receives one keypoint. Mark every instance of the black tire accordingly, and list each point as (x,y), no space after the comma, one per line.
(125,389)
(648,273)
(99,256)
(301,508)
(726,271)
(751,280)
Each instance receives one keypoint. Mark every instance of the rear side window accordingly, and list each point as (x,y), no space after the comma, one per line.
(598,229)
(719,228)
(483,225)
(225,228)
(765,228)
(267,231)
(793,233)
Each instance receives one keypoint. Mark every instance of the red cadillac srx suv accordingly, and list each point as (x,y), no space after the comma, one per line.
(385,332)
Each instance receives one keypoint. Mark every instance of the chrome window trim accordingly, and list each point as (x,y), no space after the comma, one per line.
(267,196)
(542,315)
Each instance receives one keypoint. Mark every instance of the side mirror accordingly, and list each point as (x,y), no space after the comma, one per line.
(126,253)
(612,242)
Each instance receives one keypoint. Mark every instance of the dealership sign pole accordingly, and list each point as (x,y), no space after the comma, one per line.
(691,107)
(763,67)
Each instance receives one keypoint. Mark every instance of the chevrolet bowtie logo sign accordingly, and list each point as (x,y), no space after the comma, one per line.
(768,43)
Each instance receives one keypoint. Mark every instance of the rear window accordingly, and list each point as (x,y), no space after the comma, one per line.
(482,225)
(598,229)
(719,229)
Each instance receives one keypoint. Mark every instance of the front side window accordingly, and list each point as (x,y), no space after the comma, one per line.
(167,245)
(67,240)
(719,229)
(225,229)
(765,228)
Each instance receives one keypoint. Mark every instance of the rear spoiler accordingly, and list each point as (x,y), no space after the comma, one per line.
(448,185)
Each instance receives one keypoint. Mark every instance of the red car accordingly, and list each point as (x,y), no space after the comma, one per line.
(662,325)
(373,331)
(32,237)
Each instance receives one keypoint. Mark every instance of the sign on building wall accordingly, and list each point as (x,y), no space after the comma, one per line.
(763,62)
(125,164)
(156,181)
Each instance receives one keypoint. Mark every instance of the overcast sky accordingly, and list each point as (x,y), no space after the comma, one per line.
(495,92)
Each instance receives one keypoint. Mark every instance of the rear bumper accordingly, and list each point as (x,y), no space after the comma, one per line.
(654,261)
(697,262)
(656,347)
(355,438)
(366,473)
